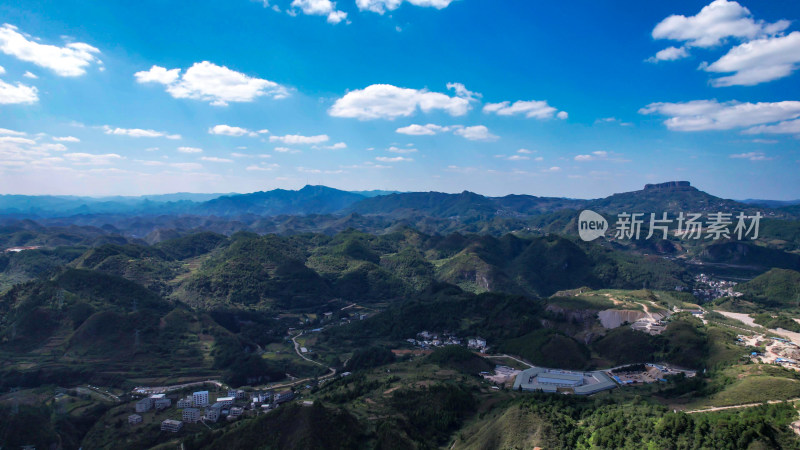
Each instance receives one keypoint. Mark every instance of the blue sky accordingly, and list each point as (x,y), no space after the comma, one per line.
(579,99)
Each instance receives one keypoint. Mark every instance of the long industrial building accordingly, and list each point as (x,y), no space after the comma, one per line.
(554,380)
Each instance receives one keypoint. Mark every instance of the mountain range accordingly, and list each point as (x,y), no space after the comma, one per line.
(670,197)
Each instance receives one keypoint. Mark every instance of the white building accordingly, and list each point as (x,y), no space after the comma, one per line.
(191,415)
(185,403)
(134,419)
(237,411)
(226,401)
(238,394)
(144,405)
(213,412)
(172,426)
(200,398)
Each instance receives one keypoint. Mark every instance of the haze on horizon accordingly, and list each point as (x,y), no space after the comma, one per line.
(417,95)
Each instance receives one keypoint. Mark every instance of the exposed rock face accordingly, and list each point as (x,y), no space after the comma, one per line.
(613,318)
(669,185)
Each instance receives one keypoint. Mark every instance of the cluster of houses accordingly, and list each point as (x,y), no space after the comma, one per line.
(199,408)
(707,288)
(426,340)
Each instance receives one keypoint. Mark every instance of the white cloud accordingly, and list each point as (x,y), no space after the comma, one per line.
(475,133)
(255,167)
(716,22)
(401,150)
(53,147)
(158,74)
(384,101)
(422,130)
(700,115)
(30,75)
(389,159)
(336,146)
(613,120)
(68,61)
(93,159)
(215,159)
(534,109)
(463,92)
(190,150)
(66,139)
(320,8)
(552,169)
(11,94)
(286,150)
(7,132)
(525,151)
(758,61)
(785,127)
(227,130)
(381,6)
(669,54)
(296,139)
(518,158)
(594,156)
(209,82)
(139,133)
(752,156)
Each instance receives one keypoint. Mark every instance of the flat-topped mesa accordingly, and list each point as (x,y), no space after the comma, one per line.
(672,185)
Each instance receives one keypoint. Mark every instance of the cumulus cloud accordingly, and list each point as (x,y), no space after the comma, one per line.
(70,60)
(7,132)
(190,150)
(13,94)
(594,156)
(669,54)
(392,159)
(30,75)
(758,61)
(215,159)
(209,82)
(762,55)
(422,130)
(296,139)
(701,115)
(534,109)
(785,127)
(139,133)
(385,101)
(400,150)
(381,6)
(475,133)
(227,130)
(320,8)
(66,139)
(752,156)
(336,146)
(716,22)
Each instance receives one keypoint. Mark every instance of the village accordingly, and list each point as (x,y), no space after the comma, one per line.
(199,407)
(708,288)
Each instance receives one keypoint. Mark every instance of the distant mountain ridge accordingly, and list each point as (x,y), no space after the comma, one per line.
(671,197)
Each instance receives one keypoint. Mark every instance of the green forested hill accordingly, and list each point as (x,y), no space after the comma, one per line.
(775,288)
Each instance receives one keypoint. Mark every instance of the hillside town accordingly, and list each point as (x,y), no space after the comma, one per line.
(198,407)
